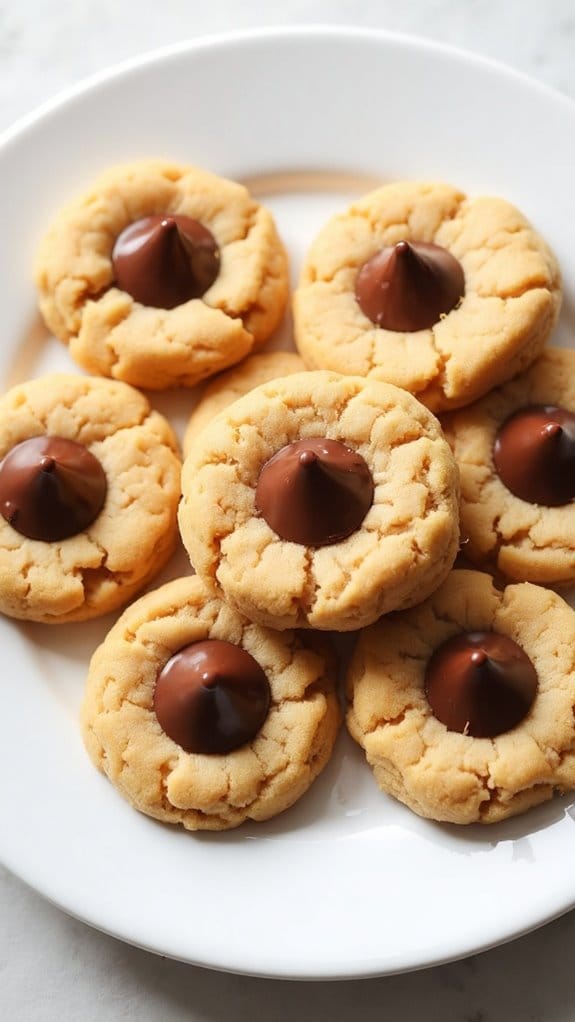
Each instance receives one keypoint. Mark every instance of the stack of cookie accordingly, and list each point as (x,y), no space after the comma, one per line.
(464,705)
(319,494)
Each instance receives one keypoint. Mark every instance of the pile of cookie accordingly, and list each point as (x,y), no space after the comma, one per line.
(321,492)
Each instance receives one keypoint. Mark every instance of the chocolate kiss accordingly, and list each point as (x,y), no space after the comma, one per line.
(211,697)
(314,492)
(409,286)
(164,261)
(534,455)
(51,488)
(480,684)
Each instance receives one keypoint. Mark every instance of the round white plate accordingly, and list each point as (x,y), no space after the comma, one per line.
(348,882)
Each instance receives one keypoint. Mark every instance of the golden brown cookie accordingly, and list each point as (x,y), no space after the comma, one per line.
(445,774)
(84,540)
(356,553)
(237,381)
(526,532)
(207,790)
(510,303)
(112,333)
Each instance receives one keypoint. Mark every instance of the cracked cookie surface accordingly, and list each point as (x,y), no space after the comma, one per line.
(111,334)
(235,382)
(524,541)
(102,567)
(405,545)
(207,792)
(511,301)
(441,774)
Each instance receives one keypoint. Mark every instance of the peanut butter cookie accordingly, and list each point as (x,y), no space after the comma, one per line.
(162,275)
(418,285)
(516,454)
(202,718)
(89,487)
(465,705)
(321,501)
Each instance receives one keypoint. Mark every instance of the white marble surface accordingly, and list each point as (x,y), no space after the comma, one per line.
(52,967)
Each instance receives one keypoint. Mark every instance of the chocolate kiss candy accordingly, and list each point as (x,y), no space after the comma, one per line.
(51,488)
(480,683)
(409,286)
(314,492)
(165,261)
(534,455)
(211,697)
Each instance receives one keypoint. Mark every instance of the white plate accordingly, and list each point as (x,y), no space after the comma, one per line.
(348,883)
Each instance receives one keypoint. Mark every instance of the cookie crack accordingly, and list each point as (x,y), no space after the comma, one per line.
(207,614)
(309,592)
(383,722)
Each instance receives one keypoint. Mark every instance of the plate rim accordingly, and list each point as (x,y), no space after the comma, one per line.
(296,31)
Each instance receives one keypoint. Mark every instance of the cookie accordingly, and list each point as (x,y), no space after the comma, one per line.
(498,667)
(244,744)
(516,452)
(420,286)
(321,501)
(235,382)
(162,275)
(89,487)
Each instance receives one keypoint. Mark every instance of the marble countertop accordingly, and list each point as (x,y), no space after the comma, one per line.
(53,967)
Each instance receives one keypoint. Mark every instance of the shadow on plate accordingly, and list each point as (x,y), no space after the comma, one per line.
(28,353)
